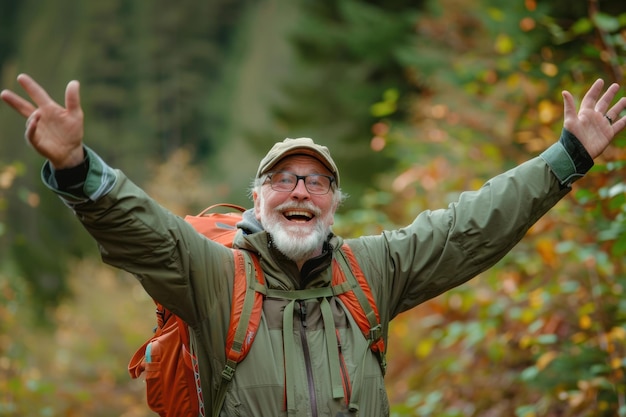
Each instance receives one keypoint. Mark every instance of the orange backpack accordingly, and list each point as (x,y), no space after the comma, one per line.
(170,365)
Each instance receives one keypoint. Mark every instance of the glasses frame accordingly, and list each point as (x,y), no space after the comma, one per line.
(269,175)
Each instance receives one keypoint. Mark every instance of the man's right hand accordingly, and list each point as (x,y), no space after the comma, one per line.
(56,132)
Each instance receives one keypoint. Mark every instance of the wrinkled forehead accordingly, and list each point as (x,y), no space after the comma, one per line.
(302,164)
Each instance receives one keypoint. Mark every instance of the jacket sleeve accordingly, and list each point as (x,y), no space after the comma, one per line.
(178,267)
(444,248)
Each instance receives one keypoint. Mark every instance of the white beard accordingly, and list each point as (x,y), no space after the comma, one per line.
(298,242)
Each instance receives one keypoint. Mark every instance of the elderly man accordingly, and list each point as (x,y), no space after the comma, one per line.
(296,194)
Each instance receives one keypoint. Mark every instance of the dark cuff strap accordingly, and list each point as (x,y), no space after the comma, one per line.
(580,156)
(72,178)
(568,159)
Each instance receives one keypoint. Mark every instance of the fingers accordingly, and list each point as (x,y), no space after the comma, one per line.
(72,97)
(34,90)
(22,106)
(591,97)
(614,113)
(31,126)
(40,97)
(569,106)
(605,101)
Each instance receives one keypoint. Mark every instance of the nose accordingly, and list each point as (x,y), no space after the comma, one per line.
(300,192)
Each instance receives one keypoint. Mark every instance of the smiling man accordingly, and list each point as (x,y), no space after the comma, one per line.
(309,357)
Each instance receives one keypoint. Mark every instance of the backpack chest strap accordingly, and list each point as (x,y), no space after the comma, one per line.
(301,295)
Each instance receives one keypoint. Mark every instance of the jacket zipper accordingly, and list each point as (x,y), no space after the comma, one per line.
(307,358)
(347,387)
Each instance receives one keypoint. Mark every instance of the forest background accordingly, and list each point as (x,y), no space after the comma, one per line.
(418,100)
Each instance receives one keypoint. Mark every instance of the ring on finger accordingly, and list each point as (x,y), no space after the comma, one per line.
(609,119)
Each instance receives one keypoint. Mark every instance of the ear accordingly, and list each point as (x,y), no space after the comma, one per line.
(257,205)
(333,210)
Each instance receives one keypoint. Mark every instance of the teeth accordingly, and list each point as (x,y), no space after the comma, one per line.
(298,213)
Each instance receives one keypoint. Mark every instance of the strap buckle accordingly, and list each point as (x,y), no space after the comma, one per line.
(228,372)
(376,333)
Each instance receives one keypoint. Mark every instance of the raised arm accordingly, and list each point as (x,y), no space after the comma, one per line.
(56,132)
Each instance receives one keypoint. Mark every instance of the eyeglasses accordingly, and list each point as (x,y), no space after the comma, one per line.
(286,182)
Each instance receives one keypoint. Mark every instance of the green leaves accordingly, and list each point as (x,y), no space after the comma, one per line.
(602,21)
(388,105)
(550,316)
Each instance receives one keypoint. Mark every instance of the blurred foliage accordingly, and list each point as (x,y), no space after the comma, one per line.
(543,333)
(145,70)
(351,51)
(78,367)
(433,97)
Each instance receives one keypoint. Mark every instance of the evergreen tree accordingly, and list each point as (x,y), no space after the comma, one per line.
(348,75)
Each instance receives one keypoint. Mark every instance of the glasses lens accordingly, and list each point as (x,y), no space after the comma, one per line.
(283,181)
(317,184)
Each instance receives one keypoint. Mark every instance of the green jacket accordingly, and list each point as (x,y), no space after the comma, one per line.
(192,276)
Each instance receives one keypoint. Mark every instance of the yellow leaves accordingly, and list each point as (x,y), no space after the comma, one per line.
(514,81)
(525,341)
(587,392)
(504,44)
(545,360)
(550,69)
(617,333)
(388,105)
(546,247)
(617,363)
(575,398)
(178,184)
(615,342)
(424,347)
(579,337)
(548,111)
(496,14)
(56,371)
(528,316)
(400,328)
(535,299)
(585,322)
(587,309)
(7,176)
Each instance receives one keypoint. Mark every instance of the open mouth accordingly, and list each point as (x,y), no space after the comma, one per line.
(298,216)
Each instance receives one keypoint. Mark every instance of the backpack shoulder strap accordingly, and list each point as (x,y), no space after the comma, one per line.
(245,317)
(360,301)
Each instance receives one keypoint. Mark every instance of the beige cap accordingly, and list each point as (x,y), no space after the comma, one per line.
(298,146)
